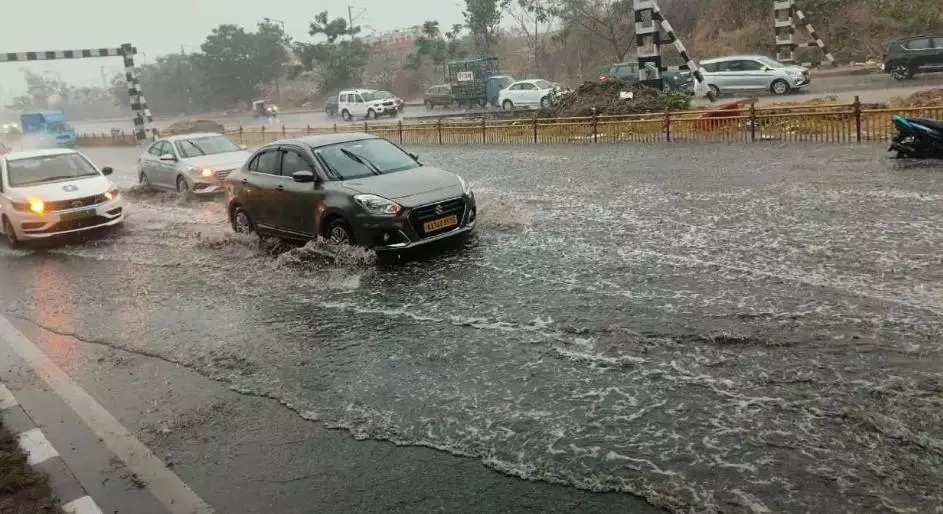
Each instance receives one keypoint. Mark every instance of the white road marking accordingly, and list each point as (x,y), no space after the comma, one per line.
(163,483)
(84,505)
(6,398)
(36,446)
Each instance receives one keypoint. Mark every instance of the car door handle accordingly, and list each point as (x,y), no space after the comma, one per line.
(280,187)
(245,181)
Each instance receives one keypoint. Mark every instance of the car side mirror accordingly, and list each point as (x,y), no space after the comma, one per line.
(414,155)
(107,170)
(243,147)
(766,68)
(167,157)
(303,176)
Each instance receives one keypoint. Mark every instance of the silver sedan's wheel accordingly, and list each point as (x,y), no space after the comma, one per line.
(182,186)
(241,224)
(10,234)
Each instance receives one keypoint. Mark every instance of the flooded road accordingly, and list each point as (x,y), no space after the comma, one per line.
(713,328)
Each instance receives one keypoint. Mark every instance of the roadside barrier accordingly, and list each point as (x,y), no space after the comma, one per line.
(818,123)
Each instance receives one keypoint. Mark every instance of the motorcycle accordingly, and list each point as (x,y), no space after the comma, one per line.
(917,138)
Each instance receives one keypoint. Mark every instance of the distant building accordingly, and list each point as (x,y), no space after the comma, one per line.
(403,39)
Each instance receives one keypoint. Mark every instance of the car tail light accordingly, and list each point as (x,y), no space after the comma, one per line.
(602,78)
(883,56)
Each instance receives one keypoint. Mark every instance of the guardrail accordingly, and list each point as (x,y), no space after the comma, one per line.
(831,123)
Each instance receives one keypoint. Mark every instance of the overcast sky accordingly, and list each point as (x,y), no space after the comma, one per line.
(162,27)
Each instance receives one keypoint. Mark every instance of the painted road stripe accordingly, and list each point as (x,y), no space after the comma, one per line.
(36,446)
(83,505)
(163,483)
(6,398)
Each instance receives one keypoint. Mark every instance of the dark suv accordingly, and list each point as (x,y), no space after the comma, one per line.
(349,188)
(330,105)
(438,95)
(628,72)
(908,56)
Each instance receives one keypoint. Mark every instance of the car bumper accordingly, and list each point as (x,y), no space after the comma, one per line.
(30,226)
(799,82)
(200,187)
(399,233)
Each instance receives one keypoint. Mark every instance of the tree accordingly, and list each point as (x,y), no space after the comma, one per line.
(612,21)
(534,18)
(338,63)
(437,48)
(483,19)
(172,84)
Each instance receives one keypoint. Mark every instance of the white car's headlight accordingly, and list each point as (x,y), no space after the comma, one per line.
(378,206)
(112,193)
(202,172)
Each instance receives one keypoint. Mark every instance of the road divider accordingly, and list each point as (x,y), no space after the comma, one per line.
(733,122)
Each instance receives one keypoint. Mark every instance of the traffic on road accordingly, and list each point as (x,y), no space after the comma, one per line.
(703,340)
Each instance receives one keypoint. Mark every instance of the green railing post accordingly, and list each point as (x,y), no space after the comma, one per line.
(263,134)
(283,131)
(752,121)
(595,126)
(438,126)
(484,128)
(667,126)
(535,129)
(242,139)
(335,128)
(308,130)
(366,127)
(400,123)
(857,107)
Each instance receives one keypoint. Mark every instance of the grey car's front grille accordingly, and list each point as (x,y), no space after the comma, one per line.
(388,103)
(222,174)
(437,211)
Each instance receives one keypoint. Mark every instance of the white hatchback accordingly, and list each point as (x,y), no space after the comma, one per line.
(48,193)
(526,93)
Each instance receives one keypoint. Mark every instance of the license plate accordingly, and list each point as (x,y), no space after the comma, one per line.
(77,215)
(439,224)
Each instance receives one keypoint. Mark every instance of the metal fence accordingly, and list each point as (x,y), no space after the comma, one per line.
(825,123)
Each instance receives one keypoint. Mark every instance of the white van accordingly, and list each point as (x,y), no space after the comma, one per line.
(363,103)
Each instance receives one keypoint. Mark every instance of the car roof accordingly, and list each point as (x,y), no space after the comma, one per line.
(325,139)
(918,36)
(734,58)
(178,137)
(29,154)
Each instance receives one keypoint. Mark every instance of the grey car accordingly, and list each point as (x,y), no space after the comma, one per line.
(197,163)
(737,73)
(352,188)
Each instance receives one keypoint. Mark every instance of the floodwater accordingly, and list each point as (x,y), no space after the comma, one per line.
(714,328)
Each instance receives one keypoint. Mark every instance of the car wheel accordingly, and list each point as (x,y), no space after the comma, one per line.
(10,234)
(714,92)
(901,72)
(507,105)
(339,232)
(371,114)
(544,102)
(665,86)
(345,115)
(779,87)
(143,181)
(429,105)
(241,223)
(182,185)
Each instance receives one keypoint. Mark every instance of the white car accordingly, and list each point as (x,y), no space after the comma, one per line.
(526,93)
(198,163)
(48,193)
(364,104)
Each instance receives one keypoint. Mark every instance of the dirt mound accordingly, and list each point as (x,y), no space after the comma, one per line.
(925,98)
(193,127)
(614,97)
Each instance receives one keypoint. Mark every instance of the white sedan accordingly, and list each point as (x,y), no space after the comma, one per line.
(198,163)
(48,193)
(526,93)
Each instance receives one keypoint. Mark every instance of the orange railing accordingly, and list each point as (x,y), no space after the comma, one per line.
(827,123)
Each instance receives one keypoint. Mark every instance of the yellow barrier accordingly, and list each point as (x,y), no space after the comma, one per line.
(833,123)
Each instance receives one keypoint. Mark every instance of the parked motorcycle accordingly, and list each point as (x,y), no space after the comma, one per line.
(917,138)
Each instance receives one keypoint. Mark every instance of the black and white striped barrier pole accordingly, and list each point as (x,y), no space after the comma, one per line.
(650,22)
(785,15)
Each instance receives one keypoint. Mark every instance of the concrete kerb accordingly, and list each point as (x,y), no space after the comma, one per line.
(44,457)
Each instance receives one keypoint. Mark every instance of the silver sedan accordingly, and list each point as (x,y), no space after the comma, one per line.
(196,163)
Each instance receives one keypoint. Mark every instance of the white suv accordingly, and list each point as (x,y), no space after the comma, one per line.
(48,193)
(363,103)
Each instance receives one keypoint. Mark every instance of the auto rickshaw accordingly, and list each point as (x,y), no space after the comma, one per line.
(262,109)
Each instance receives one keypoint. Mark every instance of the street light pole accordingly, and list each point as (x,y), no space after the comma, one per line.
(278,78)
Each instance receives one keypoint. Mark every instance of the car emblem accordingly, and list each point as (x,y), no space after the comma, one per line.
(69,188)
(77,204)
(438,209)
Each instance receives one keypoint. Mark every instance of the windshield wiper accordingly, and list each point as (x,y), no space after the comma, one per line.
(194,145)
(356,158)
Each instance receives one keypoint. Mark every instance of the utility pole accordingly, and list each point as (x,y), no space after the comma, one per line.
(278,78)
(351,18)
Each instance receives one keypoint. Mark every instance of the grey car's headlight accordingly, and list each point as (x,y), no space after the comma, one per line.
(378,206)
(465,187)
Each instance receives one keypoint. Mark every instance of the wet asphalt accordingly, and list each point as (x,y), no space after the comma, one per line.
(712,328)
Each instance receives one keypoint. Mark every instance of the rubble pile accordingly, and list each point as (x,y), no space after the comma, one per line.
(925,98)
(193,127)
(614,97)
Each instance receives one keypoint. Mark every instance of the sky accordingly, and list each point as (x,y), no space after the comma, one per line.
(161,27)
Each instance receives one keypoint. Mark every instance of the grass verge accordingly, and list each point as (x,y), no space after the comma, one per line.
(22,489)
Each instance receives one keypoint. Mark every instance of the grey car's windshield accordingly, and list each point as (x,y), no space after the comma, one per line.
(48,168)
(383,155)
(766,61)
(205,145)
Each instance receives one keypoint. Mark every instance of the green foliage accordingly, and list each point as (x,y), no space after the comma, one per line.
(437,48)
(483,19)
(608,22)
(339,62)
(235,62)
